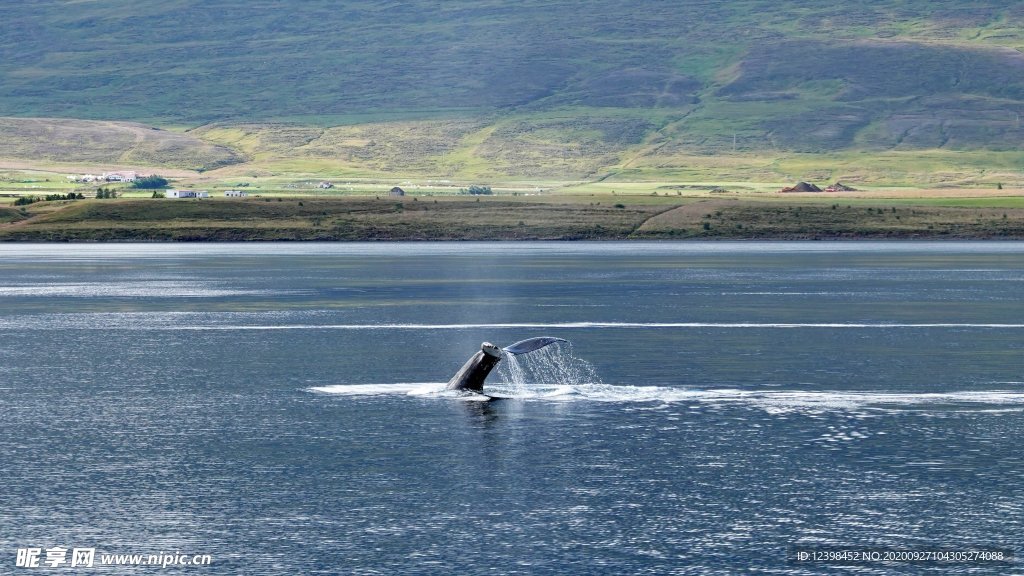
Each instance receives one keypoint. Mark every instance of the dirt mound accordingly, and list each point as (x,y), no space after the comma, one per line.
(840,187)
(802,187)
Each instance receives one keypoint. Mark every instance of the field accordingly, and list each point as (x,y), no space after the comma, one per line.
(506,217)
(328,219)
(542,151)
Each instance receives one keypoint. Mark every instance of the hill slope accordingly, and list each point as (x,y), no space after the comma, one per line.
(652,82)
(93,141)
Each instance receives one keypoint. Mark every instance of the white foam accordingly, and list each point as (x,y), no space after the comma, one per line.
(370,389)
(774,400)
(425,389)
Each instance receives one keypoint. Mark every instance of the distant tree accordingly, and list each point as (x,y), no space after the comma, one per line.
(68,196)
(158,194)
(25,200)
(479,190)
(150,182)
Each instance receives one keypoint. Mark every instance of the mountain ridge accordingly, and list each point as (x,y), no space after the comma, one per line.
(532,89)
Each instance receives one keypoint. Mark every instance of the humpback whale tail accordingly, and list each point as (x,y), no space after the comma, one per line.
(473,373)
(531,344)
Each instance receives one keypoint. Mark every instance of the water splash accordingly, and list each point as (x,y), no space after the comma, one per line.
(555,364)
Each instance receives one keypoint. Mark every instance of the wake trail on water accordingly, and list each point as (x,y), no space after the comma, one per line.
(554,373)
(772,401)
(590,325)
(278,321)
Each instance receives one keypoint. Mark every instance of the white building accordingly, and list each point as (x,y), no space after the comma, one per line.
(125,176)
(186,194)
(235,194)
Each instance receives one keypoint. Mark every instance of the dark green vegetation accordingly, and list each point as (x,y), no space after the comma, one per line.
(552,218)
(598,89)
(26,200)
(150,182)
(8,215)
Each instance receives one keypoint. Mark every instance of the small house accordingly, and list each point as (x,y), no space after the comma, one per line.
(396,191)
(124,176)
(186,194)
(235,194)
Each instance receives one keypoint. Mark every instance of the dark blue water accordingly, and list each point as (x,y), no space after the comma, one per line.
(252,402)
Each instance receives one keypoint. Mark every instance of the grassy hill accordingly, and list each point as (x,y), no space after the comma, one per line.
(112,143)
(892,91)
(511,218)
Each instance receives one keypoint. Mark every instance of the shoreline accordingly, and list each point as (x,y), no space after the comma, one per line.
(619,218)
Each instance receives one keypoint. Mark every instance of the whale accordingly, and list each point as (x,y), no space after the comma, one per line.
(473,373)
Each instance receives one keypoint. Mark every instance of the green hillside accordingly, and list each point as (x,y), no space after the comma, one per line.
(95,141)
(527,89)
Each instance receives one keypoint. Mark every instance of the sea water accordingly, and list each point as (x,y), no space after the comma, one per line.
(719,405)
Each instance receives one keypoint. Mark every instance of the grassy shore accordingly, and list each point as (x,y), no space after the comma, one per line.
(562,217)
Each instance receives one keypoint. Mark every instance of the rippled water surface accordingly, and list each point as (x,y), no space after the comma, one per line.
(280,406)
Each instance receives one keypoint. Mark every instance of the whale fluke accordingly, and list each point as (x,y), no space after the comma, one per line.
(473,373)
(531,344)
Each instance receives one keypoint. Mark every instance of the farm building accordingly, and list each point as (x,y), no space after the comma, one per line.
(186,194)
(84,177)
(235,194)
(125,176)
(396,191)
